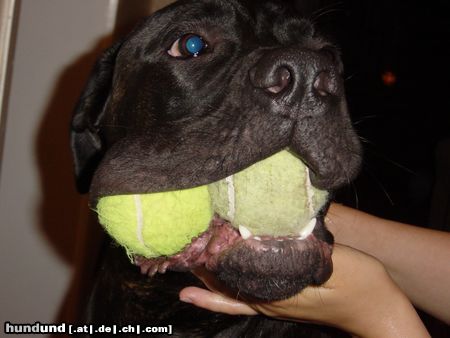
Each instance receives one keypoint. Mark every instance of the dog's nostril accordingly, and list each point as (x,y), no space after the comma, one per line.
(324,85)
(282,78)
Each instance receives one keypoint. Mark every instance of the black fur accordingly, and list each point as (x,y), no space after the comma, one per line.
(149,122)
(169,123)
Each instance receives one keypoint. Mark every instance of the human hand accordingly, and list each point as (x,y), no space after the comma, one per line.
(360,298)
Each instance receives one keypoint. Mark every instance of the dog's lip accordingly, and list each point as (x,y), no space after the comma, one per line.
(212,245)
(203,250)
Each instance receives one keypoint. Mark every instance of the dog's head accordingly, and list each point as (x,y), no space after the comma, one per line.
(203,89)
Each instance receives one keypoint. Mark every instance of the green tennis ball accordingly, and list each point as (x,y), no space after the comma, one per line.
(158,224)
(272,197)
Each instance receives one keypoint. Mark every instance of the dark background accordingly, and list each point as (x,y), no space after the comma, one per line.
(402,124)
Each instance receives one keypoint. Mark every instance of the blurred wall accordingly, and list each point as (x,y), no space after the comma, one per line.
(45,233)
(39,208)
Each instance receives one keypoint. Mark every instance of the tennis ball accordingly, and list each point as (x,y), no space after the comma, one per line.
(157,224)
(272,197)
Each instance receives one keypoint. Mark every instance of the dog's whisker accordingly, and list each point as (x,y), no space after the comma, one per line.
(395,163)
(355,191)
(384,157)
(326,10)
(277,285)
(364,119)
(320,295)
(349,77)
(379,184)
(325,13)
(365,140)
(238,293)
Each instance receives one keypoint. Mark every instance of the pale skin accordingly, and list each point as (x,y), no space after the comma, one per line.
(417,259)
(414,269)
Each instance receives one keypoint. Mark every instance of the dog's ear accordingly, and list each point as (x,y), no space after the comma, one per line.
(86,143)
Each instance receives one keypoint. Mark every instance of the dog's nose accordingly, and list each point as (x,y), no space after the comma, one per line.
(297,74)
(274,80)
(325,85)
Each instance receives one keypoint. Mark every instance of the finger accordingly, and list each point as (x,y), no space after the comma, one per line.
(208,278)
(214,302)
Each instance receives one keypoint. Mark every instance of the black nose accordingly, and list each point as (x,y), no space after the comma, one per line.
(273,80)
(325,84)
(293,74)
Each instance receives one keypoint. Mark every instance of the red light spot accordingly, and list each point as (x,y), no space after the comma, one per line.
(389,78)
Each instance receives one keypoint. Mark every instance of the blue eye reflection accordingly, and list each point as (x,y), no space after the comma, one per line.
(193,44)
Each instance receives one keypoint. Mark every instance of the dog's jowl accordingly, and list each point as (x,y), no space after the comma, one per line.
(198,92)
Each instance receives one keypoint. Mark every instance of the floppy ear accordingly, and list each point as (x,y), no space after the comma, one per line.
(86,143)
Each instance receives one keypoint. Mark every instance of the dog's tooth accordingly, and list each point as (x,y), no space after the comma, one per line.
(308,229)
(257,238)
(144,269)
(245,233)
(163,267)
(153,270)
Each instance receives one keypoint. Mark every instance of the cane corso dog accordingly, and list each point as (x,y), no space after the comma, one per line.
(197,92)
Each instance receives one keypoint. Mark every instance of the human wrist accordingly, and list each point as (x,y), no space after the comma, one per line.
(355,228)
(368,303)
(391,316)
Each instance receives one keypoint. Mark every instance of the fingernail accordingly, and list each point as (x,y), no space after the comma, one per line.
(186,299)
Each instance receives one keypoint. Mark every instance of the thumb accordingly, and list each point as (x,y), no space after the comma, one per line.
(215,302)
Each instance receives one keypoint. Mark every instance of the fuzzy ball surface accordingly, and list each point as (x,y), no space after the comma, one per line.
(272,197)
(158,224)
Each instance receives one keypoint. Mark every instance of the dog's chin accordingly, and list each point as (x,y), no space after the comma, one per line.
(264,267)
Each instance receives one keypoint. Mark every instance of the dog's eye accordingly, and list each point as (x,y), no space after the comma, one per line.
(189,45)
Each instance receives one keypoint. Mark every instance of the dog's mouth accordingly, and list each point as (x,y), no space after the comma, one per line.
(263,234)
(267,238)
(264,267)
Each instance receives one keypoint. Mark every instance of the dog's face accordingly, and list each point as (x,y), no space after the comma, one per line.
(202,90)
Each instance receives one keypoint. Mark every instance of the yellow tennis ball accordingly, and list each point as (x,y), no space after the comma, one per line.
(157,224)
(272,197)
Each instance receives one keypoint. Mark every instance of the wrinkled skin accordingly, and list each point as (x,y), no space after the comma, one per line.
(267,81)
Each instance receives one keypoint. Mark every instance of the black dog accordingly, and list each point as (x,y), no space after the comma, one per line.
(197,92)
